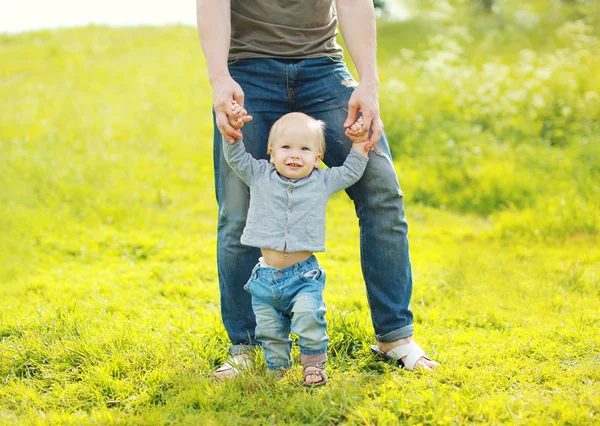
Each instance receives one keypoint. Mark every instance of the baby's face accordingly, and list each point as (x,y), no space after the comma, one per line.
(294,154)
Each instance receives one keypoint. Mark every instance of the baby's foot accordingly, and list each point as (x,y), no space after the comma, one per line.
(315,375)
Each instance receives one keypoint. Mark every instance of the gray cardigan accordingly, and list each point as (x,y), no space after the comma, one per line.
(284,214)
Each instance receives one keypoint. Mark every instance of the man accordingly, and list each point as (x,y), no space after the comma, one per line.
(274,57)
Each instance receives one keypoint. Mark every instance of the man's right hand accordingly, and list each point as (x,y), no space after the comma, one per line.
(226,90)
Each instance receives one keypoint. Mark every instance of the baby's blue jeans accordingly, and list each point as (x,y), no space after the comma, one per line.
(289,300)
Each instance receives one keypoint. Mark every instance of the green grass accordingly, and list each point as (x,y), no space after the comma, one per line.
(109,297)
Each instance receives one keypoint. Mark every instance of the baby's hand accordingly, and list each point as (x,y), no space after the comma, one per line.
(237,116)
(357,132)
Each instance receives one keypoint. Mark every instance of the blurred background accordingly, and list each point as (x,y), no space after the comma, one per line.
(491,108)
(27,15)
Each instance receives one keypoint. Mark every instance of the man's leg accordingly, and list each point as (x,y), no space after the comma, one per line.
(258,79)
(234,260)
(327,87)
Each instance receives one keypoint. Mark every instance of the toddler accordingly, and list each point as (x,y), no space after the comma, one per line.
(286,220)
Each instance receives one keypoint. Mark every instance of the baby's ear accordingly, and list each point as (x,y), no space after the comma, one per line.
(317,160)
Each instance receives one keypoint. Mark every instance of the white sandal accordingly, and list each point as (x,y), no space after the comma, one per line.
(234,366)
(412,351)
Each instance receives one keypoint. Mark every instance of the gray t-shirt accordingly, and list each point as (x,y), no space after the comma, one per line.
(283,29)
(287,215)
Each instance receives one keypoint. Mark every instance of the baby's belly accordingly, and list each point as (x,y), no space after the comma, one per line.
(281,259)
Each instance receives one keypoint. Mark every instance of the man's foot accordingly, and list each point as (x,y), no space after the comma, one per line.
(234,366)
(408,350)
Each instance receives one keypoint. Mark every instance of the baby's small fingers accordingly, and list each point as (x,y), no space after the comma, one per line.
(237,109)
(360,124)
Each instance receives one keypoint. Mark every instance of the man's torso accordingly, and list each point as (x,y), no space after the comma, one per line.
(283,29)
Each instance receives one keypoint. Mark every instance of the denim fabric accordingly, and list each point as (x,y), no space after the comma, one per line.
(289,299)
(321,88)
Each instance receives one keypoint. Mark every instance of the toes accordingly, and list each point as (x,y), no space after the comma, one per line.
(426,364)
(313,378)
(223,375)
(421,364)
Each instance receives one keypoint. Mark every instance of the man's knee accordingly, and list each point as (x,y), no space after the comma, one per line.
(378,189)
(233,207)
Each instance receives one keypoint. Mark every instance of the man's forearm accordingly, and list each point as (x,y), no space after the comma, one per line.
(214,30)
(357,22)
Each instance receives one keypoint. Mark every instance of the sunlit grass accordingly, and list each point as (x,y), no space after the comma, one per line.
(109,295)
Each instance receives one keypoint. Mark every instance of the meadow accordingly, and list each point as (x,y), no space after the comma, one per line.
(109,297)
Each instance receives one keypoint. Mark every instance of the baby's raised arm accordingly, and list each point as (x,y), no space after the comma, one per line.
(243,164)
(338,178)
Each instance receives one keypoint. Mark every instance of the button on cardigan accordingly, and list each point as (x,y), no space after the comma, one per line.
(284,214)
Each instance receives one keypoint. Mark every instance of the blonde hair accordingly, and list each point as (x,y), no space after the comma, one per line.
(315,129)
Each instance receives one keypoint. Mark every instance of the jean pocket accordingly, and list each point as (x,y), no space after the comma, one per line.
(253,277)
(233,62)
(315,275)
(335,59)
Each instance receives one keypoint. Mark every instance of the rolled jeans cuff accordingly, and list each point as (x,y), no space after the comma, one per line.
(316,352)
(398,334)
(241,349)
(279,366)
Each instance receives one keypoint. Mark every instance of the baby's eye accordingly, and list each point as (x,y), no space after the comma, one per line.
(285,147)
(305,148)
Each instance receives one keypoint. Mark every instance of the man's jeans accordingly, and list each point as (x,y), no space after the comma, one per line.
(321,88)
(289,299)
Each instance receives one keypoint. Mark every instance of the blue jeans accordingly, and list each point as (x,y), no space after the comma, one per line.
(321,88)
(289,299)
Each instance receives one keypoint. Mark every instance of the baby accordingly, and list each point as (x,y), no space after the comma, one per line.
(286,220)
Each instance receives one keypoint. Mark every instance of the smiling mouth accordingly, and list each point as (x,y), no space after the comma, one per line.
(293,165)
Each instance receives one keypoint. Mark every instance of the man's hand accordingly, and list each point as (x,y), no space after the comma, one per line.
(366,100)
(226,91)
(359,135)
